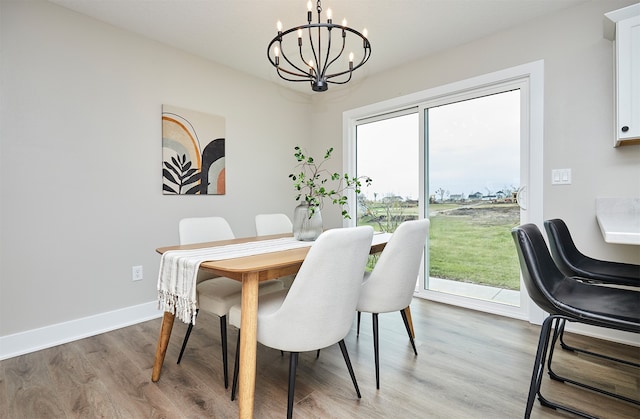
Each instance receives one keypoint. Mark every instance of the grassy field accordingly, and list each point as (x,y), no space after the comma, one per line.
(474,246)
(470,243)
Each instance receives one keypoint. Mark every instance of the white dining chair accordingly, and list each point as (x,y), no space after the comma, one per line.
(390,286)
(317,311)
(267,224)
(215,295)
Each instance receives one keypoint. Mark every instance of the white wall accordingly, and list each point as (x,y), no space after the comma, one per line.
(578,109)
(80,160)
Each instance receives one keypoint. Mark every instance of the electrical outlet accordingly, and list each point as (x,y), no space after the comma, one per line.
(136,273)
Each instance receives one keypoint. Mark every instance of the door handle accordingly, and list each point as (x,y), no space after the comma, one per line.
(521,197)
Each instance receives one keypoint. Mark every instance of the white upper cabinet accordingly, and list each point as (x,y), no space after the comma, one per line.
(623,27)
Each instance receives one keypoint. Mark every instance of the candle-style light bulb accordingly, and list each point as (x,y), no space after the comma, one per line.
(365,33)
(329,15)
(309,5)
(309,11)
(279,26)
(276,53)
(344,22)
(351,61)
(310,63)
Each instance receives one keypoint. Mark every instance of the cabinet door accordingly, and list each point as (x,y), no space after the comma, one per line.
(628,80)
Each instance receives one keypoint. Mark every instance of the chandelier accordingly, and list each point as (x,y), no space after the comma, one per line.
(311,58)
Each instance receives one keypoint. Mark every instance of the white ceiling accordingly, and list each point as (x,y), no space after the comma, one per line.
(236,32)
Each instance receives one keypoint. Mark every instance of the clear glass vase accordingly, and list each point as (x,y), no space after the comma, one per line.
(305,227)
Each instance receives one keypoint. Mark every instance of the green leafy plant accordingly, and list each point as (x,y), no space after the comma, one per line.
(314,183)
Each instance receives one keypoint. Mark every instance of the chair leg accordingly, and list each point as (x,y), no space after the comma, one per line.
(538,371)
(407,325)
(345,355)
(186,339)
(236,367)
(293,364)
(223,338)
(559,329)
(407,312)
(358,329)
(376,348)
(599,355)
(538,365)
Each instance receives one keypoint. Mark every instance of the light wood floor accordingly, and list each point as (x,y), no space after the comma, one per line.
(470,365)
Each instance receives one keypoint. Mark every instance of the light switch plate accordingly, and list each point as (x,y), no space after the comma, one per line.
(561,177)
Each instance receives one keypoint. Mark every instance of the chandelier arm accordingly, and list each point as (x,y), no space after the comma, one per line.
(278,39)
(317,55)
(341,82)
(303,73)
(365,58)
(341,73)
(311,71)
(305,79)
(329,63)
(313,47)
(303,59)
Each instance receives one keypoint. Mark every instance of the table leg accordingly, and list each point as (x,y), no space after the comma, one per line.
(163,342)
(248,344)
(407,311)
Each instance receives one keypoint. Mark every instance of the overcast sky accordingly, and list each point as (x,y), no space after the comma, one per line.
(474,146)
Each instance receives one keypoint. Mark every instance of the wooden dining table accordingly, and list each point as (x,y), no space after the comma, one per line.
(250,270)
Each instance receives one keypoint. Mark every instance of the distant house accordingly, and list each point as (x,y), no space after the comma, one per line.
(475,195)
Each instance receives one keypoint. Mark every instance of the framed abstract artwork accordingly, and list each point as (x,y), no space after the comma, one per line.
(193,153)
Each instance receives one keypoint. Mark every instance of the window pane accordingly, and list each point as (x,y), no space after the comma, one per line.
(473,175)
(387,152)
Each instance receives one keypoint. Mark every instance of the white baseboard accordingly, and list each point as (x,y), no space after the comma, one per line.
(619,336)
(57,334)
(627,338)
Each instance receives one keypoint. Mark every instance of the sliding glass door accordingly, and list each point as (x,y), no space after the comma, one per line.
(472,178)
(461,155)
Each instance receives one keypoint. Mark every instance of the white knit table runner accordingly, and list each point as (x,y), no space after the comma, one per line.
(179,269)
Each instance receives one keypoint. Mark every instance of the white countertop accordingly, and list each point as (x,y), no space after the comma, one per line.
(619,219)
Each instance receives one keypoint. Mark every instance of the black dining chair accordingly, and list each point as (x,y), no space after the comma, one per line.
(569,299)
(572,262)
